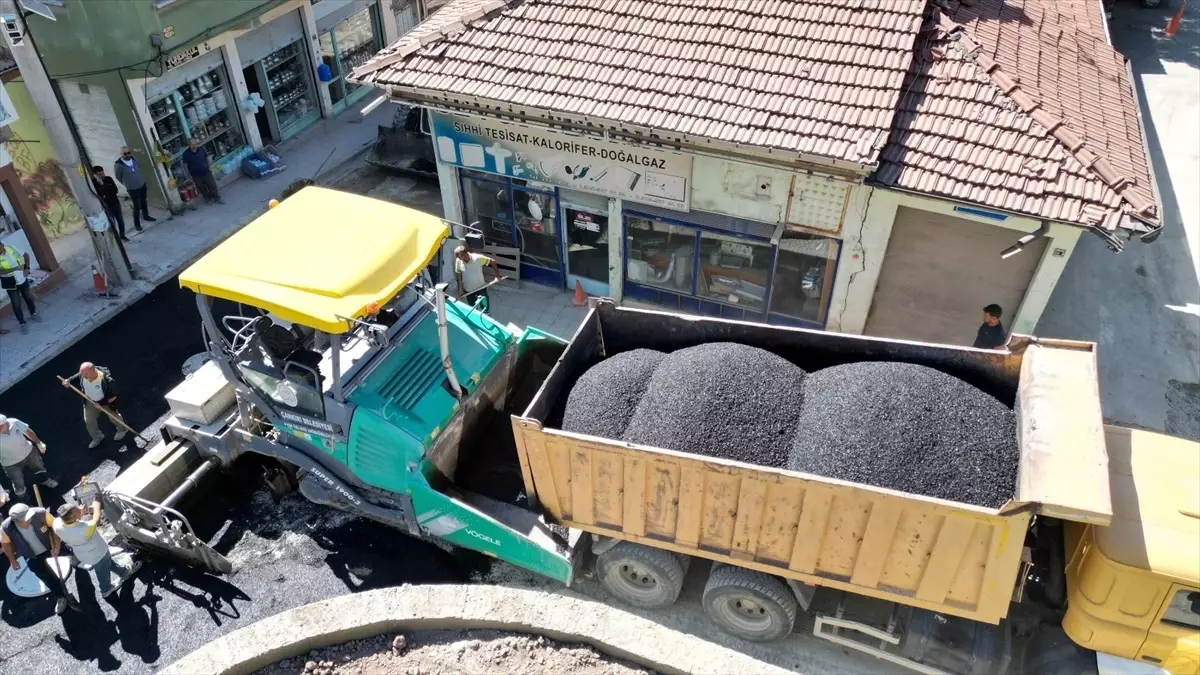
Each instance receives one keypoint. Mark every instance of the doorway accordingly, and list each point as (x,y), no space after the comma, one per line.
(254,86)
(586,252)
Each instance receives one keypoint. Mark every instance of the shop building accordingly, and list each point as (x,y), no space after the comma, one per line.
(874,168)
(237,75)
(30,223)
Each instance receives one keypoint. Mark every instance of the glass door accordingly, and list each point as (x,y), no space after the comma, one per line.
(350,44)
(587,249)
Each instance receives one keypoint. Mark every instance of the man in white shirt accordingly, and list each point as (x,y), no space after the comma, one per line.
(14,279)
(97,384)
(89,547)
(468,272)
(17,455)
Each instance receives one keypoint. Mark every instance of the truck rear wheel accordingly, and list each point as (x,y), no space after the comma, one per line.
(644,577)
(749,604)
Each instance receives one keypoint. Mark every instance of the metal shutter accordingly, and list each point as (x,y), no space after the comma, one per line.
(940,271)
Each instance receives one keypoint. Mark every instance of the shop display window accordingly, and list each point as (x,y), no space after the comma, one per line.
(514,213)
(803,278)
(347,46)
(289,85)
(660,254)
(733,271)
(202,109)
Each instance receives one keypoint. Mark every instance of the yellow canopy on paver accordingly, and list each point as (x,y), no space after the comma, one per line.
(319,255)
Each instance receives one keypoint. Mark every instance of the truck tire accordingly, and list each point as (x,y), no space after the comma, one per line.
(1051,652)
(751,605)
(644,577)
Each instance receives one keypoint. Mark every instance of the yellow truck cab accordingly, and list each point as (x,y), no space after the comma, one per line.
(1134,586)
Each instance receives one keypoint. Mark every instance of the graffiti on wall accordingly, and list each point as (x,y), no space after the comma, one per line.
(35,162)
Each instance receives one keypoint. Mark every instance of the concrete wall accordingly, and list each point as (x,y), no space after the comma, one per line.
(90,36)
(755,192)
(868,227)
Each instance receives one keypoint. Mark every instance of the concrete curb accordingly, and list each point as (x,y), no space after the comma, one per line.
(560,616)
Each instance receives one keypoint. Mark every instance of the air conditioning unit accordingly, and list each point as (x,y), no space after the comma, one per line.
(14,33)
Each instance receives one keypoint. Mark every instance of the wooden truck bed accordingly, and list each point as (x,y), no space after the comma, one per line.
(939,555)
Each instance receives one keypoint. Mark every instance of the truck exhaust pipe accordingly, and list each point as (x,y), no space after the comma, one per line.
(444,338)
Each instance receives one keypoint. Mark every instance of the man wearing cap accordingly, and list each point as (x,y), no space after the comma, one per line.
(88,546)
(97,384)
(17,455)
(28,533)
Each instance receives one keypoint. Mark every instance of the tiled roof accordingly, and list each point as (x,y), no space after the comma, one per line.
(1022,105)
(805,77)
(1013,104)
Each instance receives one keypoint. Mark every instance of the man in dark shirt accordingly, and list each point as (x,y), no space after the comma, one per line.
(991,331)
(195,158)
(106,189)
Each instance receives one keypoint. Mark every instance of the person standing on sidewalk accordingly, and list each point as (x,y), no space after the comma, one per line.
(106,189)
(195,158)
(129,172)
(97,384)
(17,454)
(14,278)
(89,547)
(28,533)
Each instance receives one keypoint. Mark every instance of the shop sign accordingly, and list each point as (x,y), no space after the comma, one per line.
(586,222)
(646,175)
(185,55)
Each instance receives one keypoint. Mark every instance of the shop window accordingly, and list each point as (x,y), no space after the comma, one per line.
(515,213)
(804,277)
(537,228)
(347,46)
(733,271)
(200,109)
(661,254)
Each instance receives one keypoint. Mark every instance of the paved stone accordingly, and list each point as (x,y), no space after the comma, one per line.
(560,616)
(71,310)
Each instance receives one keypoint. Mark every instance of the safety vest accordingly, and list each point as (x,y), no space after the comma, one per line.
(10,261)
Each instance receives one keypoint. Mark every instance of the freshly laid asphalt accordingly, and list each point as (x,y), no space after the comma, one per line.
(285,555)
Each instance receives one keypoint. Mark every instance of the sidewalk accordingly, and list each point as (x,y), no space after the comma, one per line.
(71,310)
(545,308)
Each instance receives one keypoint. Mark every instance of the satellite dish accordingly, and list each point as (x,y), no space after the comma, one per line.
(535,209)
(38,8)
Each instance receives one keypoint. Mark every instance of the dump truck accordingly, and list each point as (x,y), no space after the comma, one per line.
(362,385)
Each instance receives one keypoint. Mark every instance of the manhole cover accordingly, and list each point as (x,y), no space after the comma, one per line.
(24,583)
(193,363)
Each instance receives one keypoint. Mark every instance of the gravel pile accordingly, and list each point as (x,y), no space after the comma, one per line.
(721,399)
(909,428)
(603,399)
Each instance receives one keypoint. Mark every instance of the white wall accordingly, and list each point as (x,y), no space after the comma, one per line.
(868,228)
(769,195)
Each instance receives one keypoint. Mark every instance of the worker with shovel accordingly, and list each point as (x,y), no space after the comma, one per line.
(100,396)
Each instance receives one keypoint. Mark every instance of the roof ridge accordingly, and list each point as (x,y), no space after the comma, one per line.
(1029,100)
(452,19)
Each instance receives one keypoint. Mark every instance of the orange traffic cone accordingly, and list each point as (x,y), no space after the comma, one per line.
(98,284)
(1173,24)
(580,298)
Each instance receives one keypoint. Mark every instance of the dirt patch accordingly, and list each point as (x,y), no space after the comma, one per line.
(448,651)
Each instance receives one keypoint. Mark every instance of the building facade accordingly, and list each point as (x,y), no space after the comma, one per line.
(876,168)
(237,75)
(36,207)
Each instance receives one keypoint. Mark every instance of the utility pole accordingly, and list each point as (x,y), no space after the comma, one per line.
(110,258)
